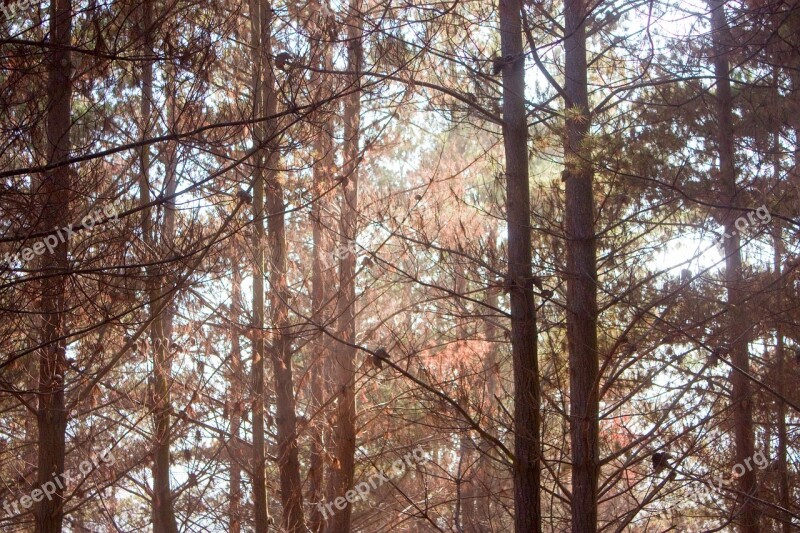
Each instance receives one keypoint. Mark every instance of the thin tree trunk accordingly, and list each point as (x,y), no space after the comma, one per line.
(741,394)
(322,283)
(260,507)
(780,354)
(55,192)
(465,482)
(234,401)
(783,480)
(286,419)
(527,448)
(161,327)
(581,275)
(163,366)
(342,474)
(485,485)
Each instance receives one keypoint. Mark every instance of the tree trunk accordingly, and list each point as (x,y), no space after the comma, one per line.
(161,325)
(783,479)
(55,191)
(527,448)
(342,474)
(780,354)
(260,507)
(741,393)
(485,486)
(465,474)
(286,419)
(322,282)
(234,402)
(581,275)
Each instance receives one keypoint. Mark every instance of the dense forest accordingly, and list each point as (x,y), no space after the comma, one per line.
(399,265)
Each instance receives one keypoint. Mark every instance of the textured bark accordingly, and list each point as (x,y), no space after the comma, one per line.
(747,515)
(55,192)
(581,275)
(342,474)
(260,507)
(527,447)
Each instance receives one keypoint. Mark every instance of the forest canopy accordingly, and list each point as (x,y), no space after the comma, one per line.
(460,266)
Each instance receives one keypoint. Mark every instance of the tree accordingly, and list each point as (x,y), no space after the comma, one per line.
(527,447)
(581,273)
(737,338)
(54,191)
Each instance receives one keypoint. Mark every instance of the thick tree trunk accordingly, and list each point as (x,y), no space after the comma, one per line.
(55,192)
(260,507)
(741,394)
(527,447)
(581,275)
(342,474)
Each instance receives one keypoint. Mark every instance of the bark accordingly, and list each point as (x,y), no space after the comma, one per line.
(342,474)
(581,275)
(527,448)
(260,507)
(747,515)
(55,191)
